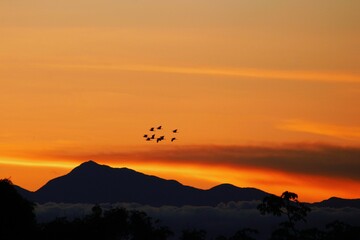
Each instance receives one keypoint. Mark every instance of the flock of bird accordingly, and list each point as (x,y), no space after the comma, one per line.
(152,136)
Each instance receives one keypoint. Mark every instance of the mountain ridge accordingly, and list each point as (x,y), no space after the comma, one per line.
(336,202)
(91,182)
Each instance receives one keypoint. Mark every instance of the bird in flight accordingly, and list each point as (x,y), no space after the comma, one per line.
(151,136)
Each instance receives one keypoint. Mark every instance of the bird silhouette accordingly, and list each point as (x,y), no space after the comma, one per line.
(158,139)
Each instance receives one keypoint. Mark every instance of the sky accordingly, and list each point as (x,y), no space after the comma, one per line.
(263,93)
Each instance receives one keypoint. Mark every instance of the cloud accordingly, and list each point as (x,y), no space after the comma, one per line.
(24,163)
(302,158)
(338,131)
(226,72)
(224,219)
(317,159)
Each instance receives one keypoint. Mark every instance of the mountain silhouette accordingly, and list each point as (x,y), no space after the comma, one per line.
(91,182)
(25,193)
(335,202)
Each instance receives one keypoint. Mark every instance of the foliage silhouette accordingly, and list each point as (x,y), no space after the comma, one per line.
(117,223)
(341,230)
(244,234)
(17,218)
(288,205)
(312,234)
(193,234)
(285,205)
(17,221)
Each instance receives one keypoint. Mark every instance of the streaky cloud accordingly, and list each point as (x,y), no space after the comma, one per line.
(338,131)
(274,74)
(302,158)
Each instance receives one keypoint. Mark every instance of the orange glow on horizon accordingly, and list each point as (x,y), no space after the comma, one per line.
(45,164)
(33,174)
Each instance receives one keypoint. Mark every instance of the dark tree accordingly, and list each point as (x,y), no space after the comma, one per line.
(59,229)
(312,234)
(193,234)
(221,237)
(341,230)
(285,205)
(142,227)
(116,223)
(244,234)
(17,218)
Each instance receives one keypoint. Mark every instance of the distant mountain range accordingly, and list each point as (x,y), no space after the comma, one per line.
(336,202)
(91,182)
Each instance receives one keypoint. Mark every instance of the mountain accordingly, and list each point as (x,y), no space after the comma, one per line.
(94,183)
(335,202)
(23,192)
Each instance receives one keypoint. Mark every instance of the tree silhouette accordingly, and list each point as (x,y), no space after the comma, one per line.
(59,229)
(244,234)
(116,223)
(285,205)
(341,230)
(142,227)
(312,234)
(17,218)
(193,234)
(17,221)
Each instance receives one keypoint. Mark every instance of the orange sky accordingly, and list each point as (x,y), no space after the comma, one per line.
(84,80)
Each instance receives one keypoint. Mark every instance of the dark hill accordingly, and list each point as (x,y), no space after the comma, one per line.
(335,202)
(94,183)
(23,192)
(228,192)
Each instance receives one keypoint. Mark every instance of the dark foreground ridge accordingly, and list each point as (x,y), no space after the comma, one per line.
(286,217)
(91,182)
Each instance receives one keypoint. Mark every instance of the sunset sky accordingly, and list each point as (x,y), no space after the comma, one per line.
(264,94)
